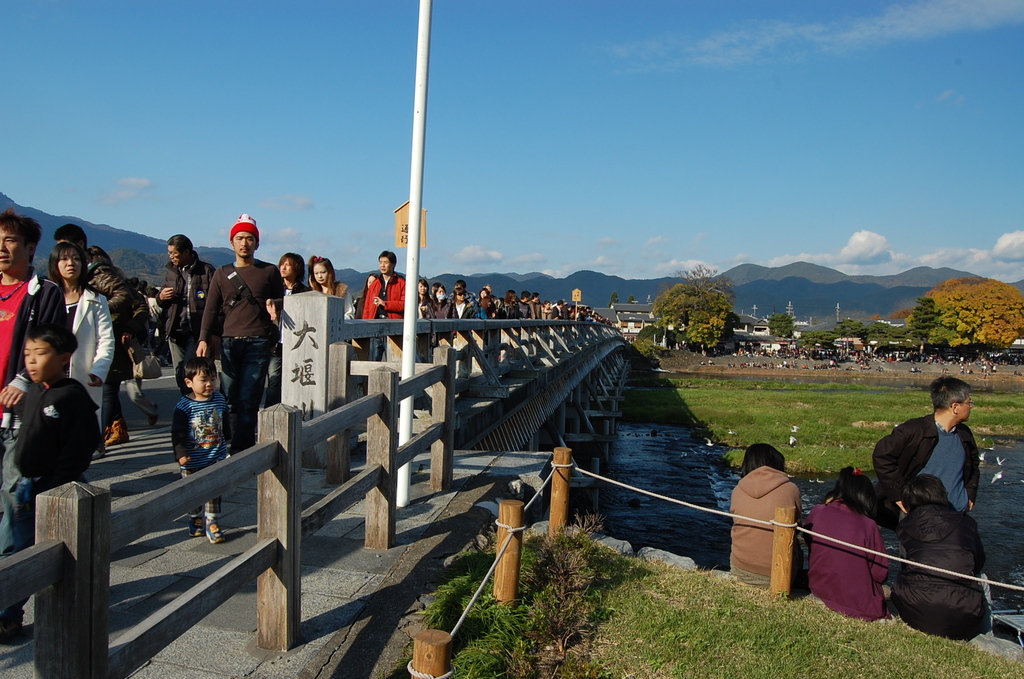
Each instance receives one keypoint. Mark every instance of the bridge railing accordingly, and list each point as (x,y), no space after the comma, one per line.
(68,569)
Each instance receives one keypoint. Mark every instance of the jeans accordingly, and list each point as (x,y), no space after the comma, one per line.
(111,405)
(274,379)
(376,349)
(181,351)
(18,527)
(244,362)
(8,477)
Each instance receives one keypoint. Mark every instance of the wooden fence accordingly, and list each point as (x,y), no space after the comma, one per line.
(68,569)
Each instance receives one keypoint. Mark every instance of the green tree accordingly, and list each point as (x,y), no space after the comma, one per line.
(700,306)
(923,320)
(614,299)
(631,300)
(812,338)
(850,328)
(780,325)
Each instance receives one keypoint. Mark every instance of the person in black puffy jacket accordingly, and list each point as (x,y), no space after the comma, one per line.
(934,533)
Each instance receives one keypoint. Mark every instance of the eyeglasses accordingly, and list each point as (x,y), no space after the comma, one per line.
(969,403)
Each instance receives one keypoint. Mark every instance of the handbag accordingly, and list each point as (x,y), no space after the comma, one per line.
(145,366)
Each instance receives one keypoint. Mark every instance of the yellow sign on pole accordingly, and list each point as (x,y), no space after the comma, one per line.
(577,295)
(402,227)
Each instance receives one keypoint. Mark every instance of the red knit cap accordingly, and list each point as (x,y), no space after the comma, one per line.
(245,223)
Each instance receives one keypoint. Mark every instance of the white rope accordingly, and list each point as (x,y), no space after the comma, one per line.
(993,583)
(508,539)
(423,675)
(674,500)
(912,563)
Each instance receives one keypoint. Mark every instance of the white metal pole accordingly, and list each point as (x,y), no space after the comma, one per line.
(412,261)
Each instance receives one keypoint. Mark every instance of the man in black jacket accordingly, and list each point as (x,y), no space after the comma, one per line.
(940,444)
(183,299)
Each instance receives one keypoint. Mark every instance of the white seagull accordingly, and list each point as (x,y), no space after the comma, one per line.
(981,456)
(1000,460)
(792,441)
(998,475)
(795,429)
(708,442)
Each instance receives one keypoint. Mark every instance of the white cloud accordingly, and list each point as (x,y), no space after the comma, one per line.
(865,247)
(655,240)
(1010,247)
(289,202)
(128,188)
(774,40)
(608,242)
(476,254)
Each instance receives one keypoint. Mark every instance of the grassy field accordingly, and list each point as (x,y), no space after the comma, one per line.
(586,612)
(838,424)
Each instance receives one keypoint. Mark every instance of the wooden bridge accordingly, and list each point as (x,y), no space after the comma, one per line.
(499,385)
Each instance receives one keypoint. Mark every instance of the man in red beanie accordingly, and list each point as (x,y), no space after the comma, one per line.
(247,294)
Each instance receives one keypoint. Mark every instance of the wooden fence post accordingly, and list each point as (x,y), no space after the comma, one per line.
(432,652)
(279,515)
(559,491)
(442,395)
(782,550)
(72,616)
(506,576)
(381,449)
(338,446)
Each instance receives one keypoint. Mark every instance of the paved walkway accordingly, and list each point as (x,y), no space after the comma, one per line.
(341,580)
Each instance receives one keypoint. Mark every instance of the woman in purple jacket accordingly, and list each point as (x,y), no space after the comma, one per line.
(848,580)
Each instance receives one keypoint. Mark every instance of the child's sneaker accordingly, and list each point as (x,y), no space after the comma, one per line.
(195,527)
(213,533)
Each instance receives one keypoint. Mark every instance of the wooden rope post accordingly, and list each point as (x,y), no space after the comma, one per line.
(559,491)
(506,576)
(782,550)
(279,515)
(381,449)
(432,652)
(72,616)
(442,396)
(338,446)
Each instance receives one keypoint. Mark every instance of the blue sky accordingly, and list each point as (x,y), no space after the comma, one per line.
(633,138)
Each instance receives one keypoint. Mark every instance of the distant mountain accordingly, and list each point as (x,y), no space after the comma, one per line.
(813,290)
(814,273)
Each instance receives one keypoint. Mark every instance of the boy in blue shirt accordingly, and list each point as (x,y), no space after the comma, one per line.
(199,434)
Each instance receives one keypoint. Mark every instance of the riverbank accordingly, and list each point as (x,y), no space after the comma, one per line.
(690,363)
(819,427)
(585,611)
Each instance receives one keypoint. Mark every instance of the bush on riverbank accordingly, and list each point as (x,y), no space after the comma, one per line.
(838,424)
(629,618)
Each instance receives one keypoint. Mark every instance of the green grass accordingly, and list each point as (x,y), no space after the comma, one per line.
(634,619)
(691,624)
(839,424)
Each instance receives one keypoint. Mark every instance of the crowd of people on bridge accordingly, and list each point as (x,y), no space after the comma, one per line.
(91,327)
(927,471)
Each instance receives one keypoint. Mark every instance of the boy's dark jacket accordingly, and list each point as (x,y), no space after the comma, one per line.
(58,433)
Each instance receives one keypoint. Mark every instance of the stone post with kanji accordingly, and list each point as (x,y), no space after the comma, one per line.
(310,323)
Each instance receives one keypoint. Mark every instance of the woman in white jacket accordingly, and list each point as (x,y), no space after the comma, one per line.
(88,318)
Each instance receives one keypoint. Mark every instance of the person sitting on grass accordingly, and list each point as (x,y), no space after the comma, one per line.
(59,432)
(847,580)
(763,487)
(199,434)
(936,534)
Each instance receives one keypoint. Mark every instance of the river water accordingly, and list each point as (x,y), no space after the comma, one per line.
(670,461)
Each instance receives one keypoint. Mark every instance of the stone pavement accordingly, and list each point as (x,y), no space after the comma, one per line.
(353,599)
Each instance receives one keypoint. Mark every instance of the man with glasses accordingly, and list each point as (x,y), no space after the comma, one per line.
(940,444)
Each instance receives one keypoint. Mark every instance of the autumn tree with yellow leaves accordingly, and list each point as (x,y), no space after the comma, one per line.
(977,311)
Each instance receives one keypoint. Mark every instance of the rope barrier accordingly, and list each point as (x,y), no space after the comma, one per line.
(423,675)
(937,569)
(501,552)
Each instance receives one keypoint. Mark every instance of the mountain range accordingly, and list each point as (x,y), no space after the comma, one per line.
(811,289)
